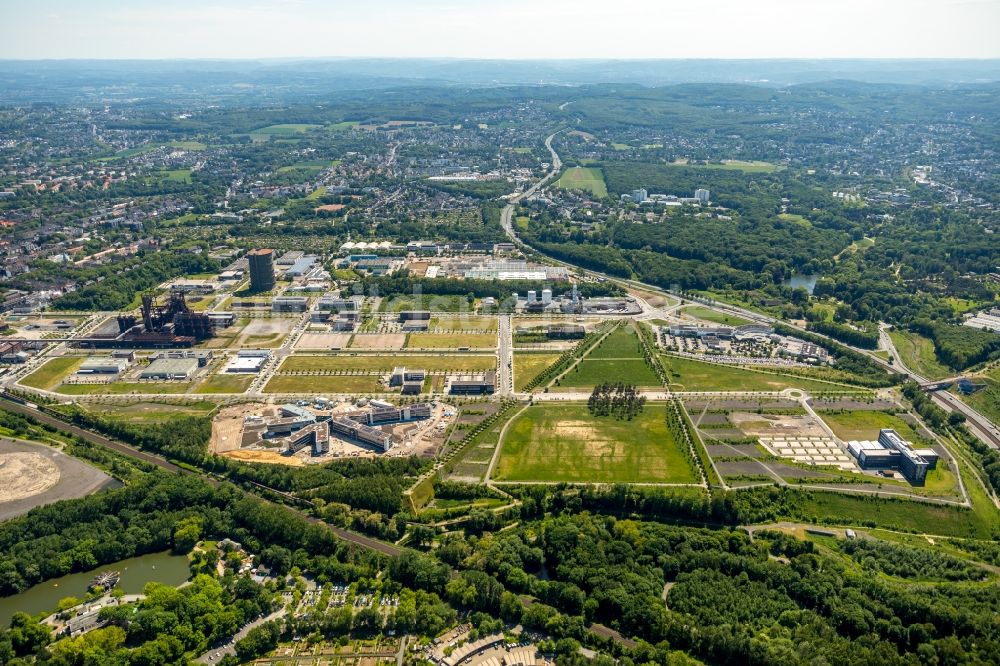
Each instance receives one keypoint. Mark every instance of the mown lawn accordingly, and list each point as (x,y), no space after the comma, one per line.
(52,372)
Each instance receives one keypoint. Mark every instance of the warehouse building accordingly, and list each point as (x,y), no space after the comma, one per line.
(180,369)
(102,365)
(203,356)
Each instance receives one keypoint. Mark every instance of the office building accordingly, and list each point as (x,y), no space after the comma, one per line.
(261,270)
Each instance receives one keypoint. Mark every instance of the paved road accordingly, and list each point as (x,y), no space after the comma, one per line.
(505,358)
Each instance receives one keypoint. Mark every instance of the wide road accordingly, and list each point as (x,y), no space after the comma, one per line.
(505,358)
(978,424)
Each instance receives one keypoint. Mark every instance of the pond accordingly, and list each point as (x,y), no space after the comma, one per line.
(136,572)
(808,282)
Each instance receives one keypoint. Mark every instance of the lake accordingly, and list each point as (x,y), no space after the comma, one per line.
(808,282)
(136,572)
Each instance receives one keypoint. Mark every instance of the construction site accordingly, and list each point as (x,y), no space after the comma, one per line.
(307,433)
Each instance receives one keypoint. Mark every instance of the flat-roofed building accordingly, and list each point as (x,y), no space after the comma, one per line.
(289,304)
(362,433)
(402,375)
(102,365)
(479,384)
(250,364)
(411,315)
(170,369)
(203,356)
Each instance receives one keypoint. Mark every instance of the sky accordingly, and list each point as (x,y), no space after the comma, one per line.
(506,29)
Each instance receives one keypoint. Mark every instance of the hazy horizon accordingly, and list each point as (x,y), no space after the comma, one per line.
(516,30)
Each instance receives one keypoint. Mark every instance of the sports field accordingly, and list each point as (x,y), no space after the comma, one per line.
(386,362)
(590,179)
(564,443)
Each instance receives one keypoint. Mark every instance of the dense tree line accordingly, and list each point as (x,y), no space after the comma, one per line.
(728,601)
(866,338)
(402,284)
(115,285)
(959,346)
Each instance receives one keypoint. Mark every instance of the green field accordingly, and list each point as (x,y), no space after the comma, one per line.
(918,355)
(464,323)
(456,304)
(564,443)
(714,316)
(588,373)
(527,365)
(623,342)
(386,362)
(753,166)
(865,424)
(178,175)
(118,388)
(151,412)
(188,145)
(451,340)
(584,178)
(225,383)
(345,125)
(52,372)
(312,166)
(691,375)
(324,384)
(284,129)
(797,219)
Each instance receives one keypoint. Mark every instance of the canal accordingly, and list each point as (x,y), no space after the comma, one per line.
(136,572)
